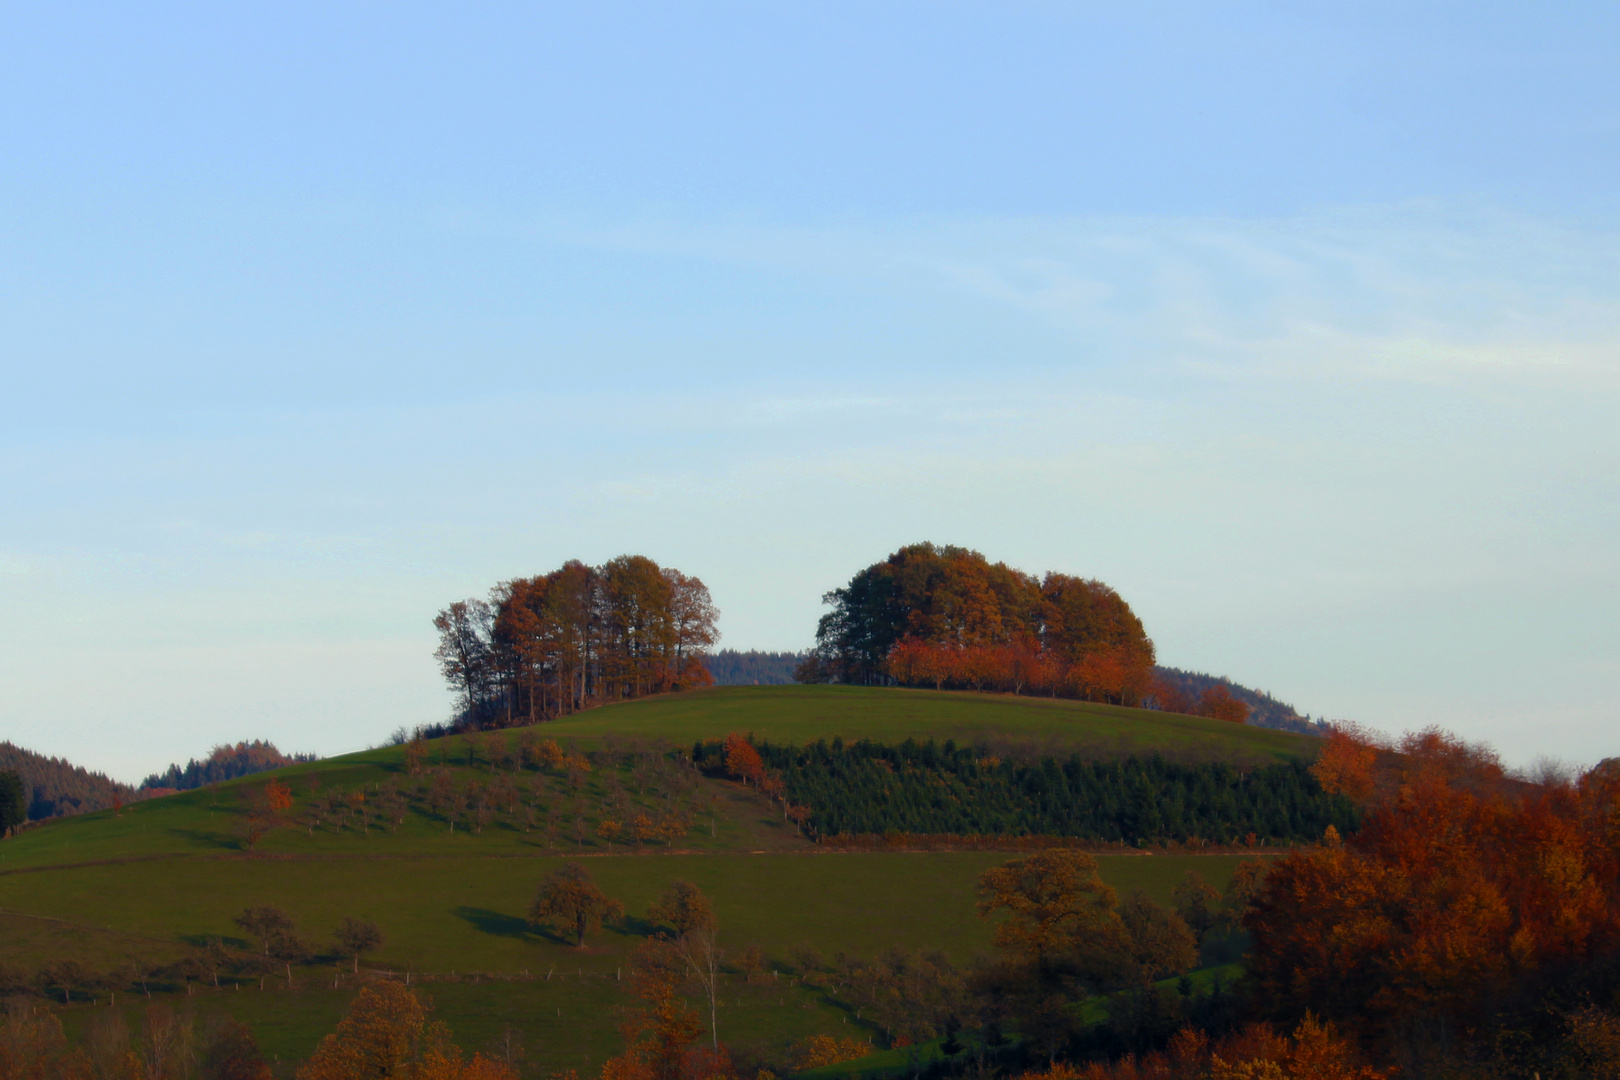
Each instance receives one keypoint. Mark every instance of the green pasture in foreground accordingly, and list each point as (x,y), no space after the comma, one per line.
(466,916)
(147,885)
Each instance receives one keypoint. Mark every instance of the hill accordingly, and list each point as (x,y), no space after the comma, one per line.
(443,844)
(225,762)
(638,737)
(797,714)
(1264,710)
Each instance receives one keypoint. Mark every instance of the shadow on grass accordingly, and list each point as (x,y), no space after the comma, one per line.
(223,841)
(202,941)
(499,924)
(635,926)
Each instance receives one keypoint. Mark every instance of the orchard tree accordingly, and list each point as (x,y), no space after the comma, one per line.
(357,936)
(568,898)
(683,907)
(265,922)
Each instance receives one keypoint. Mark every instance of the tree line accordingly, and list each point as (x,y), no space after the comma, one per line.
(924,788)
(55,787)
(1469,928)
(549,645)
(225,762)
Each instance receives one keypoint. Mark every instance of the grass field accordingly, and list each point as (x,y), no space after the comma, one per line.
(798,714)
(205,822)
(458,924)
(467,914)
(161,878)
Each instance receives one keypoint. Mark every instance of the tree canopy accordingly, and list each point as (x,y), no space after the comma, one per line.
(552,644)
(570,900)
(932,615)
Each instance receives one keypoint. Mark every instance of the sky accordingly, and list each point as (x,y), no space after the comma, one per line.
(1297,324)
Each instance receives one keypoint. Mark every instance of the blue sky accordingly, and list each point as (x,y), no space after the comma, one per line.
(1299,325)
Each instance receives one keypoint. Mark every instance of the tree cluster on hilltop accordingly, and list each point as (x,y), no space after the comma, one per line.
(224,762)
(581,635)
(55,787)
(946,616)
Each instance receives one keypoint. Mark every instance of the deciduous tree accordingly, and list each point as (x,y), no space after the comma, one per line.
(355,937)
(265,922)
(569,899)
(683,908)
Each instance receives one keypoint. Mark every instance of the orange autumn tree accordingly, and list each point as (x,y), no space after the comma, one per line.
(1316,1051)
(266,808)
(943,616)
(742,760)
(1465,889)
(387,1035)
(569,900)
(552,644)
(1217,703)
(661,1036)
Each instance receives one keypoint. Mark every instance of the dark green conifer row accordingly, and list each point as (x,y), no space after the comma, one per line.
(866,787)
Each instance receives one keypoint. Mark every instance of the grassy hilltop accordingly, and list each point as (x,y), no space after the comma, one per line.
(153,884)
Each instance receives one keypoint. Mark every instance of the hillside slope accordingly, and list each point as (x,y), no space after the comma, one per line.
(375,802)
(428,842)
(798,714)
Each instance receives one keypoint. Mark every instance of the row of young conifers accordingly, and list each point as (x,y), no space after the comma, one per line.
(930,789)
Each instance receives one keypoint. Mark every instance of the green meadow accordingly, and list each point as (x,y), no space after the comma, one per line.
(155,882)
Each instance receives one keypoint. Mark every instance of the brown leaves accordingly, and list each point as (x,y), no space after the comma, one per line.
(387,1035)
(571,901)
(1053,897)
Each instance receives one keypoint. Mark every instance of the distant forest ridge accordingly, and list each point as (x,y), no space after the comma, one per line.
(225,762)
(732,667)
(55,787)
(1264,710)
(753,668)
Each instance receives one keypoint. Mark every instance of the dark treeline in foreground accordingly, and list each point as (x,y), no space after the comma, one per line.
(581,635)
(730,667)
(54,787)
(864,788)
(225,762)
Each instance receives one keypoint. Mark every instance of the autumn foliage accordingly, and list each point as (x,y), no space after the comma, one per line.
(1316,1051)
(1466,893)
(661,1036)
(386,1035)
(549,645)
(819,1050)
(946,617)
(743,760)
(569,900)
